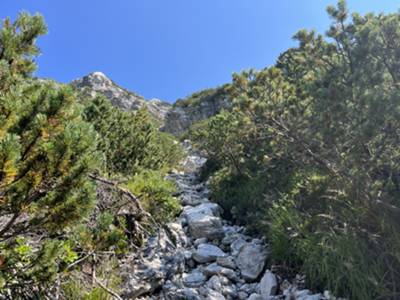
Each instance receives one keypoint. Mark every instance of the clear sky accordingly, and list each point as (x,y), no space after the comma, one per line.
(168,49)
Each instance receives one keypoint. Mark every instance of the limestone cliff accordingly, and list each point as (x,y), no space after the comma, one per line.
(175,119)
(97,82)
(197,107)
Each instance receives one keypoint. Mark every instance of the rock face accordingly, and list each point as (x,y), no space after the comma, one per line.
(97,82)
(175,119)
(198,107)
(203,260)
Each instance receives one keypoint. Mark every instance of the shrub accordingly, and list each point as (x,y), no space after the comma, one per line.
(313,141)
(155,193)
(130,141)
(46,152)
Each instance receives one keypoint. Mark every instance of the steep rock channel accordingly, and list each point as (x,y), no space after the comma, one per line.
(202,256)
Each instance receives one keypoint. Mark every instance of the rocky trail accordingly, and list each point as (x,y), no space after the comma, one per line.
(202,256)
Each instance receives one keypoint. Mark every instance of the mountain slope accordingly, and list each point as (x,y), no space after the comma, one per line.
(174,119)
(97,82)
(198,106)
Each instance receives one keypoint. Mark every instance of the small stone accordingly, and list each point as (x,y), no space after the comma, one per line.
(285,285)
(212,269)
(230,291)
(194,279)
(237,245)
(214,295)
(209,209)
(226,262)
(268,284)
(255,296)
(229,239)
(249,288)
(207,253)
(242,296)
(187,294)
(214,283)
(187,254)
(312,297)
(302,293)
(229,273)
(256,241)
(199,241)
(215,269)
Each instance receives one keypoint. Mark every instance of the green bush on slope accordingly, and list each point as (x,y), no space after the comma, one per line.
(155,193)
(129,140)
(50,142)
(313,144)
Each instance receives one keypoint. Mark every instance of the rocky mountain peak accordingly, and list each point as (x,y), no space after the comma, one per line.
(98,82)
(175,119)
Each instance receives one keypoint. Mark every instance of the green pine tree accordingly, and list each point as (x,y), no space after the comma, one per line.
(46,152)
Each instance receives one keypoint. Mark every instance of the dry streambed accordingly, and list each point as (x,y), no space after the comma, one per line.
(202,256)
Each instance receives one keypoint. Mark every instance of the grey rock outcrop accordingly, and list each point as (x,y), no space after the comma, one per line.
(97,82)
(175,119)
(195,108)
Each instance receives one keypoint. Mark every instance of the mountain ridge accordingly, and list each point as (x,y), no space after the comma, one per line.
(98,82)
(174,118)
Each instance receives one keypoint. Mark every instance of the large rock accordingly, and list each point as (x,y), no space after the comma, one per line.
(204,221)
(207,253)
(149,270)
(251,261)
(268,284)
(147,277)
(205,226)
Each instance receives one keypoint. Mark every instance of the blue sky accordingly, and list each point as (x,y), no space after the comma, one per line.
(170,48)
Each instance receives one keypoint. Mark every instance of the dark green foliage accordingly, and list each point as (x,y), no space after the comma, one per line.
(49,150)
(133,146)
(46,152)
(313,145)
(129,140)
